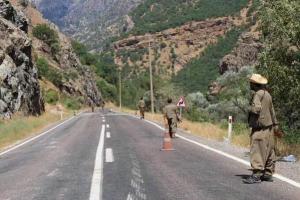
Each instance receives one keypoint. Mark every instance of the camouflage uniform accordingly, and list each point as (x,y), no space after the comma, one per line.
(170,113)
(262,120)
(141,107)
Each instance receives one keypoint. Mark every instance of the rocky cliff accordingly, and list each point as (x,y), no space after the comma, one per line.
(77,80)
(19,51)
(244,54)
(19,85)
(172,49)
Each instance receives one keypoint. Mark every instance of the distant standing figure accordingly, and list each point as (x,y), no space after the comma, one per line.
(102,105)
(263,123)
(171,117)
(141,106)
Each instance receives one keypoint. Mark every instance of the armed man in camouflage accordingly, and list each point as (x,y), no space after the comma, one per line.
(141,106)
(171,117)
(263,123)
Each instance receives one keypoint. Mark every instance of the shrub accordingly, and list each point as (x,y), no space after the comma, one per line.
(51,96)
(23,3)
(49,72)
(163,45)
(55,77)
(197,100)
(72,103)
(43,67)
(48,35)
(108,91)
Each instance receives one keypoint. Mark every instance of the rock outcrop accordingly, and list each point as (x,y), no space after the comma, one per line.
(244,54)
(77,80)
(173,48)
(83,84)
(19,85)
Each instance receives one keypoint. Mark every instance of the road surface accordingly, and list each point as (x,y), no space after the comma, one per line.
(111,156)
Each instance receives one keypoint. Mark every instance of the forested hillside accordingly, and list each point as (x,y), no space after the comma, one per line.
(156,15)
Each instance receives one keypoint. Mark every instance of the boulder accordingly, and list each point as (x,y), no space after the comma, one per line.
(19,86)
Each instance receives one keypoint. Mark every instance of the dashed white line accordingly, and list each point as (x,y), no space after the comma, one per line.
(96,186)
(109,155)
(107,125)
(108,135)
(129,197)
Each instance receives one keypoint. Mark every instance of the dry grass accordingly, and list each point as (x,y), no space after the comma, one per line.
(242,140)
(20,127)
(283,149)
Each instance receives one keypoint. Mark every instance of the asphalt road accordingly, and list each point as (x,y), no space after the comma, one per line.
(70,163)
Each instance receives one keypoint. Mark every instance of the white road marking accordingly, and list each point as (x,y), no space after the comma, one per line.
(96,186)
(53,173)
(36,137)
(278,176)
(107,125)
(109,155)
(136,183)
(129,197)
(103,120)
(108,135)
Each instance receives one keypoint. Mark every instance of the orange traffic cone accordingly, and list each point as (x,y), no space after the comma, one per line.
(167,144)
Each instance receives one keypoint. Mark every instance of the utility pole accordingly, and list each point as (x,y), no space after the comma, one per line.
(120,90)
(151,81)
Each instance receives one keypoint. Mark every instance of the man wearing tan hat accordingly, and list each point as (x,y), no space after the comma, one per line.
(263,122)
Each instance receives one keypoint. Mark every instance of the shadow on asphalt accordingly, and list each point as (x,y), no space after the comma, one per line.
(243,176)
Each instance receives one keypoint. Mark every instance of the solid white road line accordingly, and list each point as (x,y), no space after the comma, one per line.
(36,137)
(96,186)
(278,176)
(109,155)
(107,134)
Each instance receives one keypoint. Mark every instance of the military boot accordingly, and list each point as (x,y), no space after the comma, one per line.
(252,179)
(267,178)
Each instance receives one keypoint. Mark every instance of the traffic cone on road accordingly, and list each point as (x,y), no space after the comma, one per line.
(167,143)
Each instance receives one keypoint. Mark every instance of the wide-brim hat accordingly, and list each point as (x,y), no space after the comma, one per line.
(258,79)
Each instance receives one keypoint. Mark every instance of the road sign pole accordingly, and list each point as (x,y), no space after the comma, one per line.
(120,91)
(230,129)
(180,114)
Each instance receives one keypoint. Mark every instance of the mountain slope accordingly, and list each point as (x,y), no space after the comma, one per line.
(61,75)
(89,21)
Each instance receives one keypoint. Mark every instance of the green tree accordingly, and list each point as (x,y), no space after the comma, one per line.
(280,60)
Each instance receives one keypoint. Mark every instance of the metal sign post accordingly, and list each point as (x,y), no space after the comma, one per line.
(230,129)
(181,104)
